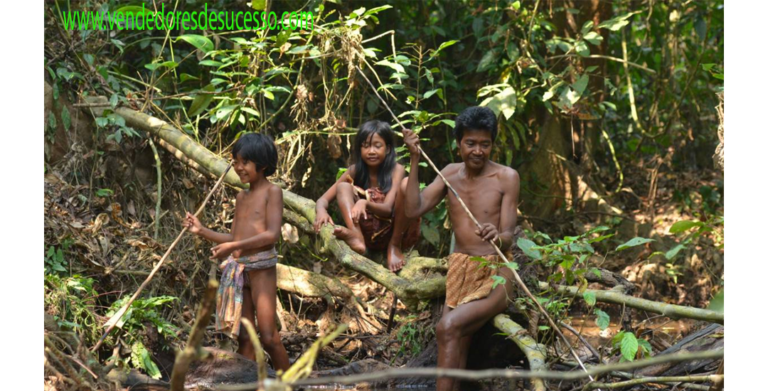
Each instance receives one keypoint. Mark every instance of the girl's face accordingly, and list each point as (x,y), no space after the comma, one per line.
(374,150)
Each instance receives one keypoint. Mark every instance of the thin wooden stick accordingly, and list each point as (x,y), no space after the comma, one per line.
(112,322)
(518,280)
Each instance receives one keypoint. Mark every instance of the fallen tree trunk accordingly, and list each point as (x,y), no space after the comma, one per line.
(310,284)
(618,297)
(534,351)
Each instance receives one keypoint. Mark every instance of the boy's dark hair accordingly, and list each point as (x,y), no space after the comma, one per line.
(258,148)
(475,118)
(366,131)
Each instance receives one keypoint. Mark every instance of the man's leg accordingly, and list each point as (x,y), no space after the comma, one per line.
(264,296)
(345,196)
(462,322)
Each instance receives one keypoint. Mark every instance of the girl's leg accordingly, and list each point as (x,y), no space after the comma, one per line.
(352,234)
(395,258)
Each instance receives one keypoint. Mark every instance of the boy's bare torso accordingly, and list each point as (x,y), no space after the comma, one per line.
(251,216)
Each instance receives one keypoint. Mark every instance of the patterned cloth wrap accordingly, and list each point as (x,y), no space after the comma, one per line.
(467,279)
(377,231)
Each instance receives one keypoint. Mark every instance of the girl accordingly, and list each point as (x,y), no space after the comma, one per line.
(370,195)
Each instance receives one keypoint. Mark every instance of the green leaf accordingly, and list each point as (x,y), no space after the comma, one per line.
(590,298)
(646,346)
(395,66)
(140,358)
(633,242)
(203,43)
(629,346)
(603,320)
(671,254)
(512,51)
(581,84)
(618,22)
(210,63)
(569,97)
(717,303)
(581,48)
(65,73)
(429,93)
(134,9)
(201,102)
(707,66)
(593,37)
(498,280)
(504,102)
(66,119)
(376,10)
(488,60)
(443,46)
(259,5)
(104,192)
(528,248)
(587,27)
(548,95)
(51,121)
(685,225)
(113,100)
(153,66)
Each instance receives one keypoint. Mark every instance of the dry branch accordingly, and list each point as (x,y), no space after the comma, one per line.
(661,379)
(535,352)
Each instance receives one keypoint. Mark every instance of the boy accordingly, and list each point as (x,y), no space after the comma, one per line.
(249,279)
(490,192)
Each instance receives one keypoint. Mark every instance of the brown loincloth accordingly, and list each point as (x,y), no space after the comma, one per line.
(467,280)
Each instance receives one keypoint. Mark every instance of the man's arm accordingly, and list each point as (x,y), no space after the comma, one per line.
(510,180)
(417,203)
(274,220)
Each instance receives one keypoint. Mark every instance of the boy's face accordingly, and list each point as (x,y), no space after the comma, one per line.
(246,170)
(475,148)
(374,150)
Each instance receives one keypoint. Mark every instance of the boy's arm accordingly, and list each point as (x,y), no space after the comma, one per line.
(385,208)
(192,223)
(508,219)
(214,236)
(274,221)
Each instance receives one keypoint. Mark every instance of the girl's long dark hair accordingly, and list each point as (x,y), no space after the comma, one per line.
(362,177)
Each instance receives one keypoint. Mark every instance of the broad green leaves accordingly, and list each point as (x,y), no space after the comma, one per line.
(201,102)
(590,298)
(718,302)
(140,358)
(685,225)
(630,346)
(198,41)
(633,242)
(603,320)
(618,22)
(528,248)
(502,103)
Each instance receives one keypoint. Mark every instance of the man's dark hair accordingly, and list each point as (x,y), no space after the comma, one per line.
(475,118)
(258,148)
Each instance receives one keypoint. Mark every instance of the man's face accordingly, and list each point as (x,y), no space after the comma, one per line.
(475,148)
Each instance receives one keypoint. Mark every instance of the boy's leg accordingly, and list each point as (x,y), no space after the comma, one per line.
(352,234)
(395,259)
(245,347)
(461,322)
(264,296)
